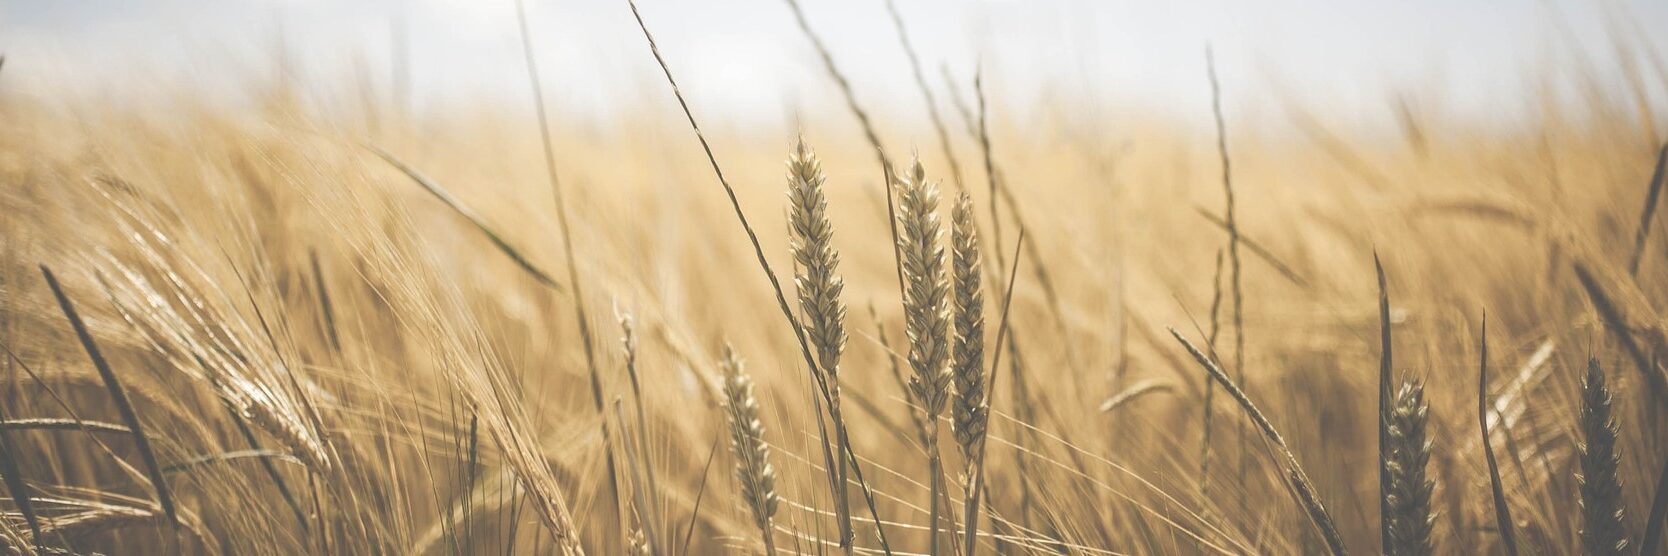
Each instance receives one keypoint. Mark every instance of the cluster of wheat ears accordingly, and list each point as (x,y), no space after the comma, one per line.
(310,374)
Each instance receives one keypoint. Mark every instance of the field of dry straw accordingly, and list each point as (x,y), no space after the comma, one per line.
(281,330)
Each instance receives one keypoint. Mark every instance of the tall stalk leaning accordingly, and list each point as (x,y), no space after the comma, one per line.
(926,315)
(819,285)
(573,266)
(764,265)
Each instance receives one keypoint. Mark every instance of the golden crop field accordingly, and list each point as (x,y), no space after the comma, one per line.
(277,329)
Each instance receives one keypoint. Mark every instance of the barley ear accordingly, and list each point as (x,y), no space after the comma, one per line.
(1407,499)
(1602,531)
(753,471)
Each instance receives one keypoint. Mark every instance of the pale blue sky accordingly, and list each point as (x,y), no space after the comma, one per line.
(744,58)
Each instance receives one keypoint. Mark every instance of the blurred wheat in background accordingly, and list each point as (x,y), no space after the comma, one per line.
(292,320)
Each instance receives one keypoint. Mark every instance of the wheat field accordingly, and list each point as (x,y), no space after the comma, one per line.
(277,329)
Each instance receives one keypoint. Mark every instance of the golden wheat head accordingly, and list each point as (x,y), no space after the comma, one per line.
(1602,531)
(967,359)
(753,470)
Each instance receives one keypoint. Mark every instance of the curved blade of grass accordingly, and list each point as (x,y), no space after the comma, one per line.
(1617,322)
(263,455)
(1652,194)
(1502,512)
(14,483)
(117,393)
(53,424)
(467,214)
(1142,388)
(1256,248)
(1384,395)
(1300,481)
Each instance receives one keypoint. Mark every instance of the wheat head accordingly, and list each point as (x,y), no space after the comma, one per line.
(818,280)
(1602,531)
(753,470)
(1408,495)
(967,359)
(927,288)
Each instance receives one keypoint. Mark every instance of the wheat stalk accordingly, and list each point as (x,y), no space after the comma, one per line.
(926,318)
(819,285)
(976,475)
(764,264)
(926,92)
(1407,498)
(1601,489)
(628,349)
(581,319)
(1233,233)
(753,470)
(1210,386)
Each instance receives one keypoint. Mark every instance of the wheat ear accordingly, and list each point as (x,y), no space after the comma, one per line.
(819,285)
(753,471)
(1602,531)
(926,318)
(818,280)
(1407,498)
(967,359)
(968,412)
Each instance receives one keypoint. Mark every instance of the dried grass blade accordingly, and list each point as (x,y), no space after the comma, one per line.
(1502,512)
(14,483)
(1300,481)
(1652,194)
(1384,395)
(1618,325)
(451,202)
(117,393)
(1142,388)
(700,493)
(1256,248)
